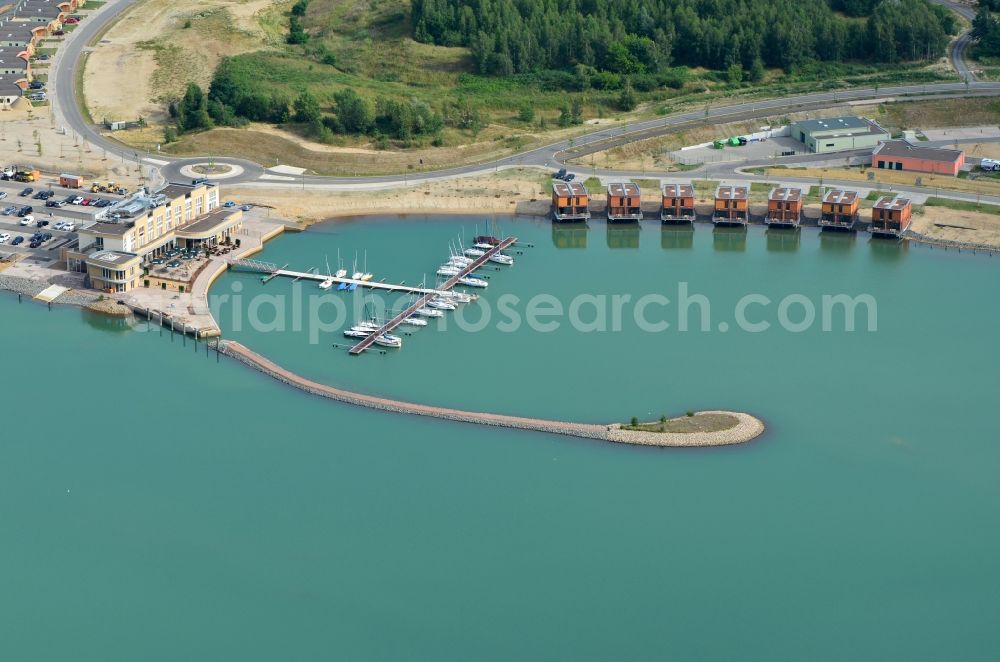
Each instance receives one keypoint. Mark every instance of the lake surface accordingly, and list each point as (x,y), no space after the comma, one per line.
(157,504)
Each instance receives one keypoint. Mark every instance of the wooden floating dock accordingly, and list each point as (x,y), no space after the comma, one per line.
(273,271)
(428,295)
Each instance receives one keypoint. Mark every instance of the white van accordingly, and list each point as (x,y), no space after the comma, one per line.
(989,165)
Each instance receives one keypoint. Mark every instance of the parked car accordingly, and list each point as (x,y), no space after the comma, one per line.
(989,165)
(46,236)
(25,210)
(246,207)
(4,236)
(157,260)
(36,85)
(3,194)
(173,264)
(26,191)
(560,174)
(570,177)
(71,20)
(103,203)
(43,57)
(200,180)
(77,200)
(28,220)
(35,244)
(69,227)
(59,225)
(17,240)
(9,211)
(229,204)
(85,202)
(40,195)
(58,33)
(41,224)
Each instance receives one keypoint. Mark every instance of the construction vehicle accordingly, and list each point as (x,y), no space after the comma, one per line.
(26,175)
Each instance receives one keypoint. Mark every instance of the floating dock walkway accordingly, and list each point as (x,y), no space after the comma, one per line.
(271,271)
(430,294)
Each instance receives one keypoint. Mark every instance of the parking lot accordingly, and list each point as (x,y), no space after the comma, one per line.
(68,211)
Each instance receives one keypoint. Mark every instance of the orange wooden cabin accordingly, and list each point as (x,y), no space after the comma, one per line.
(570,201)
(784,206)
(840,209)
(891,216)
(732,205)
(624,202)
(677,204)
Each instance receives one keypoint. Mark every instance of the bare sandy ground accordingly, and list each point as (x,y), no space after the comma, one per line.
(34,138)
(963,226)
(509,191)
(149,56)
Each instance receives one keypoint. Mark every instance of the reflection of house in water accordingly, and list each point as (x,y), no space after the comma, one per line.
(886,249)
(570,235)
(623,236)
(783,240)
(729,238)
(677,237)
(837,242)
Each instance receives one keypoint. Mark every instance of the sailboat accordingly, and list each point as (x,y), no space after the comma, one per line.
(501,258)
(414,321)
(365,275)
(473,281)
(357,274)
(328,281)
(341,271)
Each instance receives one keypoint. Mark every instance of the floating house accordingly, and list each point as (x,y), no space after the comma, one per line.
(677,204)
(624,202)
(840,209)
(570,201)
(902,155)
(891,216)
(732,205)
(784,207)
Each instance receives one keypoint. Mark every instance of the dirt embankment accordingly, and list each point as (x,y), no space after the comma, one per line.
(157,47)
(509,191)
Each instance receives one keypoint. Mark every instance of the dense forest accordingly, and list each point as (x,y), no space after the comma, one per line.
(645,36)
(986,29)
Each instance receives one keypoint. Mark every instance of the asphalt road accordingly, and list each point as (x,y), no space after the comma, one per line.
(960,47)
(69,57)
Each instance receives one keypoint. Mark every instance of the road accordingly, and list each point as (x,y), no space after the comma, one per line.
(69,57)
(961,45)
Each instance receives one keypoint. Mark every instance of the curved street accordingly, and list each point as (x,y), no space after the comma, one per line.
(70,57)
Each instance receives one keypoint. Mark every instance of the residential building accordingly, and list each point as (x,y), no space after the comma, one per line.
(891,216)
(677,203)
(784,206)
(732,205)
(570,201)
(840,209)
(624,202)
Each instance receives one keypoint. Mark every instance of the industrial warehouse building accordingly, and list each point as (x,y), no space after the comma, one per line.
(902,155)
(837,134)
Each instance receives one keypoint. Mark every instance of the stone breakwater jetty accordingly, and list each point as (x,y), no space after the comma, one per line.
(748,427)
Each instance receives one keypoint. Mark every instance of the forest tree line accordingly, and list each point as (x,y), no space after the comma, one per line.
(646,36)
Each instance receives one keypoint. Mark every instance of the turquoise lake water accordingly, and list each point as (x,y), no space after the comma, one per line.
(157,504)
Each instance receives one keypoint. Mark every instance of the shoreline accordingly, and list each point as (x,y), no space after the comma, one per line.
(748,428)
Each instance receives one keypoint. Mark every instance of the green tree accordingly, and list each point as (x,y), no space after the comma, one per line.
(757,71)
(307,108)
(353,112)
(627,100)
(734,74)
(526,113)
